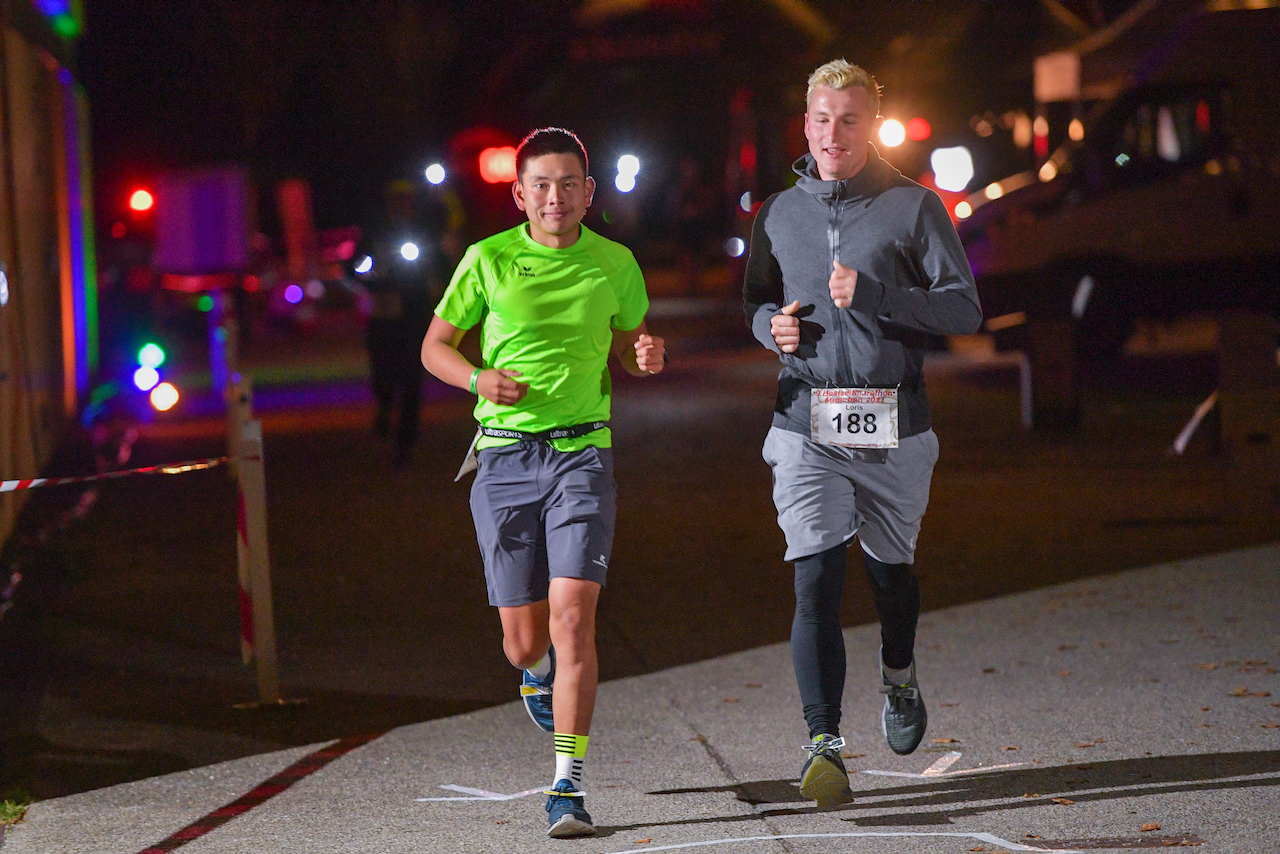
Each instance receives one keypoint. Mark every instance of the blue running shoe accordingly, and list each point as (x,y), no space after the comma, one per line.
(565,816)
(536,694)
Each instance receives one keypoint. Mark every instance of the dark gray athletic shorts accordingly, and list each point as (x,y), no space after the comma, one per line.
(542,514)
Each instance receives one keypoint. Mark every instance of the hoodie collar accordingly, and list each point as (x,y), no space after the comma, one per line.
(869,181)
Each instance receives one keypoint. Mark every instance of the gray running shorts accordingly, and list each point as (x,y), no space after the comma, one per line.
(826,494)
(542,514)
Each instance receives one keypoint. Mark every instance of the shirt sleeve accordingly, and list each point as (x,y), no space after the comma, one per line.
(464,301)
(762,292)
(633,300)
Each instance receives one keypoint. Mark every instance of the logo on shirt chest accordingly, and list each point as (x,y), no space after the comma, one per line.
(524,271)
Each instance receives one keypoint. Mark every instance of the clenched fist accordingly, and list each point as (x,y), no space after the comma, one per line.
(843,280)
(785,328)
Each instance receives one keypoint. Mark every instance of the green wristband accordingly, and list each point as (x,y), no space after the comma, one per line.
(475,375)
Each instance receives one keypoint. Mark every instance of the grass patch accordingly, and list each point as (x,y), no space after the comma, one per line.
(12,811)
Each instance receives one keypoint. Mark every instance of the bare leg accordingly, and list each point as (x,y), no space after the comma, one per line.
(573,632)
(525,639)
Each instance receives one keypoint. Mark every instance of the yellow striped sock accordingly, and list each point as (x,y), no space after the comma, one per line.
(568,744)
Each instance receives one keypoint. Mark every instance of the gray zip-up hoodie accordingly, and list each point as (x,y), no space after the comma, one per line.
(913,280)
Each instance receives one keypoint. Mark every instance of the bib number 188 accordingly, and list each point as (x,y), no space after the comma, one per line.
(855,422)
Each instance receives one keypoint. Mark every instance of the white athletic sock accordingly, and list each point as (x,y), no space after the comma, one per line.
(571,751)
(543,668)
(896,677)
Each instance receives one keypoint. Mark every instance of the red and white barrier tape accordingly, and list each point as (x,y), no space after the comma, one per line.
(167,468)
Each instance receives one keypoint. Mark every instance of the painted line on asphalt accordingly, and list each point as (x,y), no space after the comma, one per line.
(264,791)
(939,770)
(988,838)
(480,794)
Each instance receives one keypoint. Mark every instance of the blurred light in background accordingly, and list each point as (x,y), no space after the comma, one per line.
(963,210)
(164,396)
(892,133)
(1022,130)
(365,265)
(409,251)
(314,289)
(993,191)
(435,173)
(145,378)
(204,303)
(293,294)
(628,169)
(1075,130)
(918,129)
(952,167)
(498,165)
(141,200)
(1048,171)
(151,356)
(745,201)
(118,230)
(1040,128)
(734,247)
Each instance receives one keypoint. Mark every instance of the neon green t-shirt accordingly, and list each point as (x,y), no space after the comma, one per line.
(550,314)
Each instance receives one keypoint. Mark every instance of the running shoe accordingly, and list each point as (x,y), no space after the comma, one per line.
(565,816)
(904,716)
(823,778)
(536,694)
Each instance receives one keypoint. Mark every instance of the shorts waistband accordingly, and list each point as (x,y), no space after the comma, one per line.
(572,432)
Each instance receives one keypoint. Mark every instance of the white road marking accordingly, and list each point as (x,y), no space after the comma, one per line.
(480,794)
(939,768)
(990,839)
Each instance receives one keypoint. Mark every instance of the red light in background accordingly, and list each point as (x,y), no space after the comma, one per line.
(498,165)
(252,283)
(747,157)
(141,200)
(918,129)
(1202,117)
(118,230)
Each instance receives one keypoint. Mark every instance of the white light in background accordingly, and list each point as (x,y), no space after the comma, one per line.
(952,168)
(892,133)
(734,247)
(409,252)
(435,173)
(745,201)
(365,265)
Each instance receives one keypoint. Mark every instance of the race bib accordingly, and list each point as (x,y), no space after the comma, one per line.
(854,417)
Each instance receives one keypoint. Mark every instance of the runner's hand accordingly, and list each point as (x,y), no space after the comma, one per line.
(650,351)
(785,328)
(843,281)
(499,386)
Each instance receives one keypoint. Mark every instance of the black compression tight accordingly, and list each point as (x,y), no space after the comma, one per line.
(817,645)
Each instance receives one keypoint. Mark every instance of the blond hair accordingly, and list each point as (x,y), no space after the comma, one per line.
(841,74)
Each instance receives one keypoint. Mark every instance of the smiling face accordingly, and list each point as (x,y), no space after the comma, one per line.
(839,125)
(554,194)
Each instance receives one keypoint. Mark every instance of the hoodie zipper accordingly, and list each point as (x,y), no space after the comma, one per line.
(833,240)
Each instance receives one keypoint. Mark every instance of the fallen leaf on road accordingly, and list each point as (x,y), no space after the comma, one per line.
(1032,836)
(643,841)
(1210,708)
(1273,704)
(1088,767)
(1085,744)
(1064,672)
(752,684)
(948,705)
(1031,795)
(988,670)
(729,700)
(1009,747)
(1271,726)
(944,741)
(1206,666)
(1240,692)
(1066,646)
(1066,802)
(1259,693)
(1149,826)
(1256,663)
(844,754)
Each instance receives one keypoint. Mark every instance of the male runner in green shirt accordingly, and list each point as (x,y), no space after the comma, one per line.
(555,299)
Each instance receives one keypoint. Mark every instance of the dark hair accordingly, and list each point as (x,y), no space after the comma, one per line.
(550,141)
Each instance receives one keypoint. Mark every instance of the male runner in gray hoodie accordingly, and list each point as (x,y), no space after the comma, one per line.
(849,273)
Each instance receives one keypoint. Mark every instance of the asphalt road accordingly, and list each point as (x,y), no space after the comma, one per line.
(124,657)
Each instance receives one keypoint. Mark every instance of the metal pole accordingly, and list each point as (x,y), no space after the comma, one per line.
(239,412)
(253,492)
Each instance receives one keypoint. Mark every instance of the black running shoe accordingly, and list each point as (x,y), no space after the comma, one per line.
(566,817)
(823,778)
(904,718)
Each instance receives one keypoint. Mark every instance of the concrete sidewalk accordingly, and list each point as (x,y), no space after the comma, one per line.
(1140,699)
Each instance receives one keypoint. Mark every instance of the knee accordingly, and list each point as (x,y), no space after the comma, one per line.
(572,628)
(890,580)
